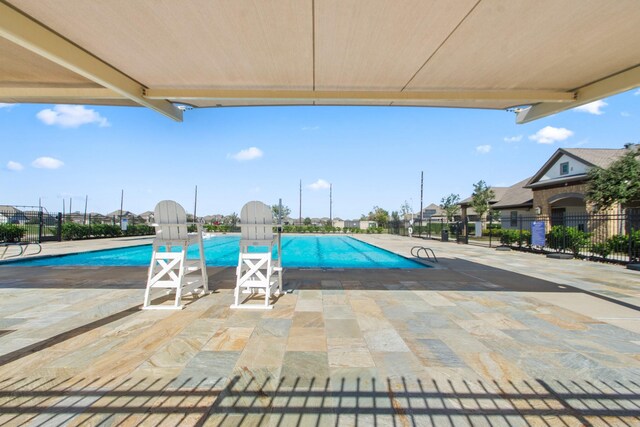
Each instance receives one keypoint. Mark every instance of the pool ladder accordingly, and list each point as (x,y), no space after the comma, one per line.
(21,247)
(429,255)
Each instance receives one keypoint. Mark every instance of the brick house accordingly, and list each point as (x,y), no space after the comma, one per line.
(559,187)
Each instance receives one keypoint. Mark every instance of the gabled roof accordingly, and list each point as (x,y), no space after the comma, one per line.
(124,213)
(516,196)
(9,209)
(498,192)
(600,157)
(593,157)
(438,210)
(464,53)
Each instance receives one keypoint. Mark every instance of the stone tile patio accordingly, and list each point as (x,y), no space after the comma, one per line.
(486,338)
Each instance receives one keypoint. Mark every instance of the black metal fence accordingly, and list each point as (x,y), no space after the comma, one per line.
(29,225)
(33,224)
(597,237)
(428,228)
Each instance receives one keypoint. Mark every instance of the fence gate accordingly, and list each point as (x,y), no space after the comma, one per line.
(35,223)
(50,229)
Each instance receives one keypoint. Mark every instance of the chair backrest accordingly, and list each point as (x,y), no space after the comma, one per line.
(256,221)
(171,221)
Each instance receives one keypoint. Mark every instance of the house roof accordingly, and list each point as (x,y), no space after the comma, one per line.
(516,196)
(598,157)
(434,207)
(124,213)
(498,193)
(205,53)
(601,157)
(9,209)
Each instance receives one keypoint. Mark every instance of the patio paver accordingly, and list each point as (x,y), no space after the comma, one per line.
(486,338)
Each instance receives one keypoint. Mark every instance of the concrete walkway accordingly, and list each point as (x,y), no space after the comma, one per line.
(486,338)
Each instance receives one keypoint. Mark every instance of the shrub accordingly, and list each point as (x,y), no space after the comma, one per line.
(139,230)
(74,231)
(494,232)
(620,243)
(515,237)
(509,237)
(561,238)
(222,228)
(11,233)
(603,249)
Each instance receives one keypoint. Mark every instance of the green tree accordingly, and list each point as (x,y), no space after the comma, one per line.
(481,198)
(307,221)
(275,209)
(450,205)
(406,210)
(231,219)
(379,215)
(619,183)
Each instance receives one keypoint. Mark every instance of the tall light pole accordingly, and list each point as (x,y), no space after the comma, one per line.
(331,205)
(86,201)
(121,205)
(195,206)
(421,193)
(300,223)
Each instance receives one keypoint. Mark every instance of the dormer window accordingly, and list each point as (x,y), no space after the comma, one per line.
(564,168)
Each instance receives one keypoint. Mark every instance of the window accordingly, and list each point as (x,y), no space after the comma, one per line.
(564,168)
(514,218)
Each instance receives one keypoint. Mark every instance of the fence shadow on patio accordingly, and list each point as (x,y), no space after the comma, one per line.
(247,400)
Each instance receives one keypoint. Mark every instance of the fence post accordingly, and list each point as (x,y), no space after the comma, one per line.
(630,235)
(490,229)
(520,236)
(40,226)
(59,227)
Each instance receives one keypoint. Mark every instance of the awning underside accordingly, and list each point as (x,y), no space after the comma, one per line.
(547,54)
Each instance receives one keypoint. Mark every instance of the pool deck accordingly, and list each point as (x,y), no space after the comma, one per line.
(486,338)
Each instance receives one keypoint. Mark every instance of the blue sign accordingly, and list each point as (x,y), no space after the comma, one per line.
(537,233)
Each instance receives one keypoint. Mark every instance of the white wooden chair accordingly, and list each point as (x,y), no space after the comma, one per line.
(170,268)
(257,271)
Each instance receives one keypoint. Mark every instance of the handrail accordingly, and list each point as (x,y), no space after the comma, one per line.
(415,251)
(22,246)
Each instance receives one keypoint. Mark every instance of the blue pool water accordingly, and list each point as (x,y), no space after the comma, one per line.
(298,252)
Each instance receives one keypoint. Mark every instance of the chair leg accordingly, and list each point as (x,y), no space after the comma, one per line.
(147,292)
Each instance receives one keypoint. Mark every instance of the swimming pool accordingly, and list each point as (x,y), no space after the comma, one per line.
(222,251)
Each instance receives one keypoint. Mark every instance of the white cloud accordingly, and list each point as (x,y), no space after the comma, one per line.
(549,135)
(3,105)
(320,184)
(247,154)
(625,114)
(483,149)
(14,166)
(637,93)
(516,138)
(71,116)
(594,107)
(47,163)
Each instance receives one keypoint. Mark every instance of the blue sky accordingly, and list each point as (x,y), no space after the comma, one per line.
(371,155)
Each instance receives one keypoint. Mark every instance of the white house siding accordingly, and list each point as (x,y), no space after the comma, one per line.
(575,168)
